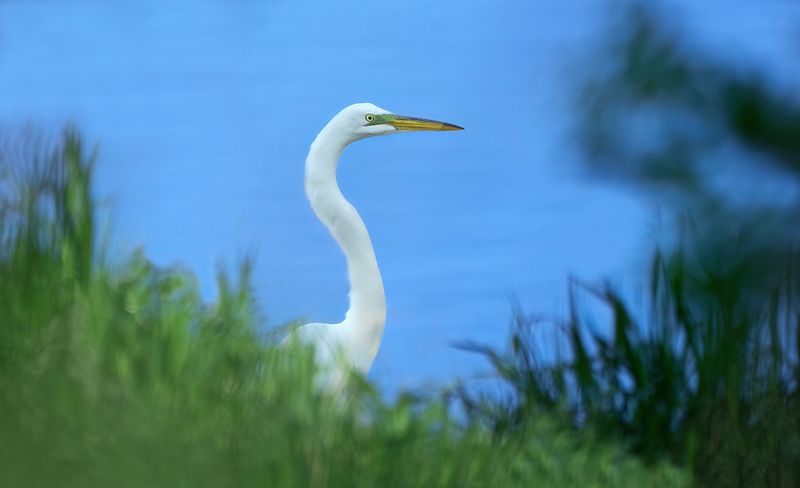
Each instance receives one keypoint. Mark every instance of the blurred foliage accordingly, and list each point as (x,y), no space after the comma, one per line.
(716,144)
(707,372)
(120,375)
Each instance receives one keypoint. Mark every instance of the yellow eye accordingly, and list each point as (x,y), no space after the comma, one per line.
(370,117)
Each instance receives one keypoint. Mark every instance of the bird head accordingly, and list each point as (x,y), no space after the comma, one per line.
(362,120)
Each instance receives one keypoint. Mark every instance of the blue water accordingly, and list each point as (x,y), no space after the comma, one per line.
(204,111)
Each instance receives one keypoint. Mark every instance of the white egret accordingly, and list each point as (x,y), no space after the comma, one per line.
(355,340)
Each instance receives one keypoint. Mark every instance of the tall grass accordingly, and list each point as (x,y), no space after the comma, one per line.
(120,375)
(708,376)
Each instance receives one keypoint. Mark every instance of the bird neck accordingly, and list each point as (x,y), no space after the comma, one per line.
(366,315)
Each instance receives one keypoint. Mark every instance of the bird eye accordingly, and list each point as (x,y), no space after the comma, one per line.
(370,117)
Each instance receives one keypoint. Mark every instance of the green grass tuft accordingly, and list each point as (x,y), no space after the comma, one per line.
(709,378)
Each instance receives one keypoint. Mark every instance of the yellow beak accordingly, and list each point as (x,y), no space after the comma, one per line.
(401,122)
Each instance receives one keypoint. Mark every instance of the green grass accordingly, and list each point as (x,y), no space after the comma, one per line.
(115,372)
(707,377)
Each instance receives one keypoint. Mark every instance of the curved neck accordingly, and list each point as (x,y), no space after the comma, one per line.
(367,313)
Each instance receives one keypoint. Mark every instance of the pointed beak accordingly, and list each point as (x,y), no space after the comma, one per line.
(401,122)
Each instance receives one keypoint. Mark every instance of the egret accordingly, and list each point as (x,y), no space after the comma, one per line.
(354,342)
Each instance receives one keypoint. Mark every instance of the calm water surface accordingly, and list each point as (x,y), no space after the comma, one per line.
(204,113)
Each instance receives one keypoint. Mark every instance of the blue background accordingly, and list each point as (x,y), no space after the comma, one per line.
(204,111)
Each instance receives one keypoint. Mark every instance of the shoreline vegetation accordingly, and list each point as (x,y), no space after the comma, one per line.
(121,375)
